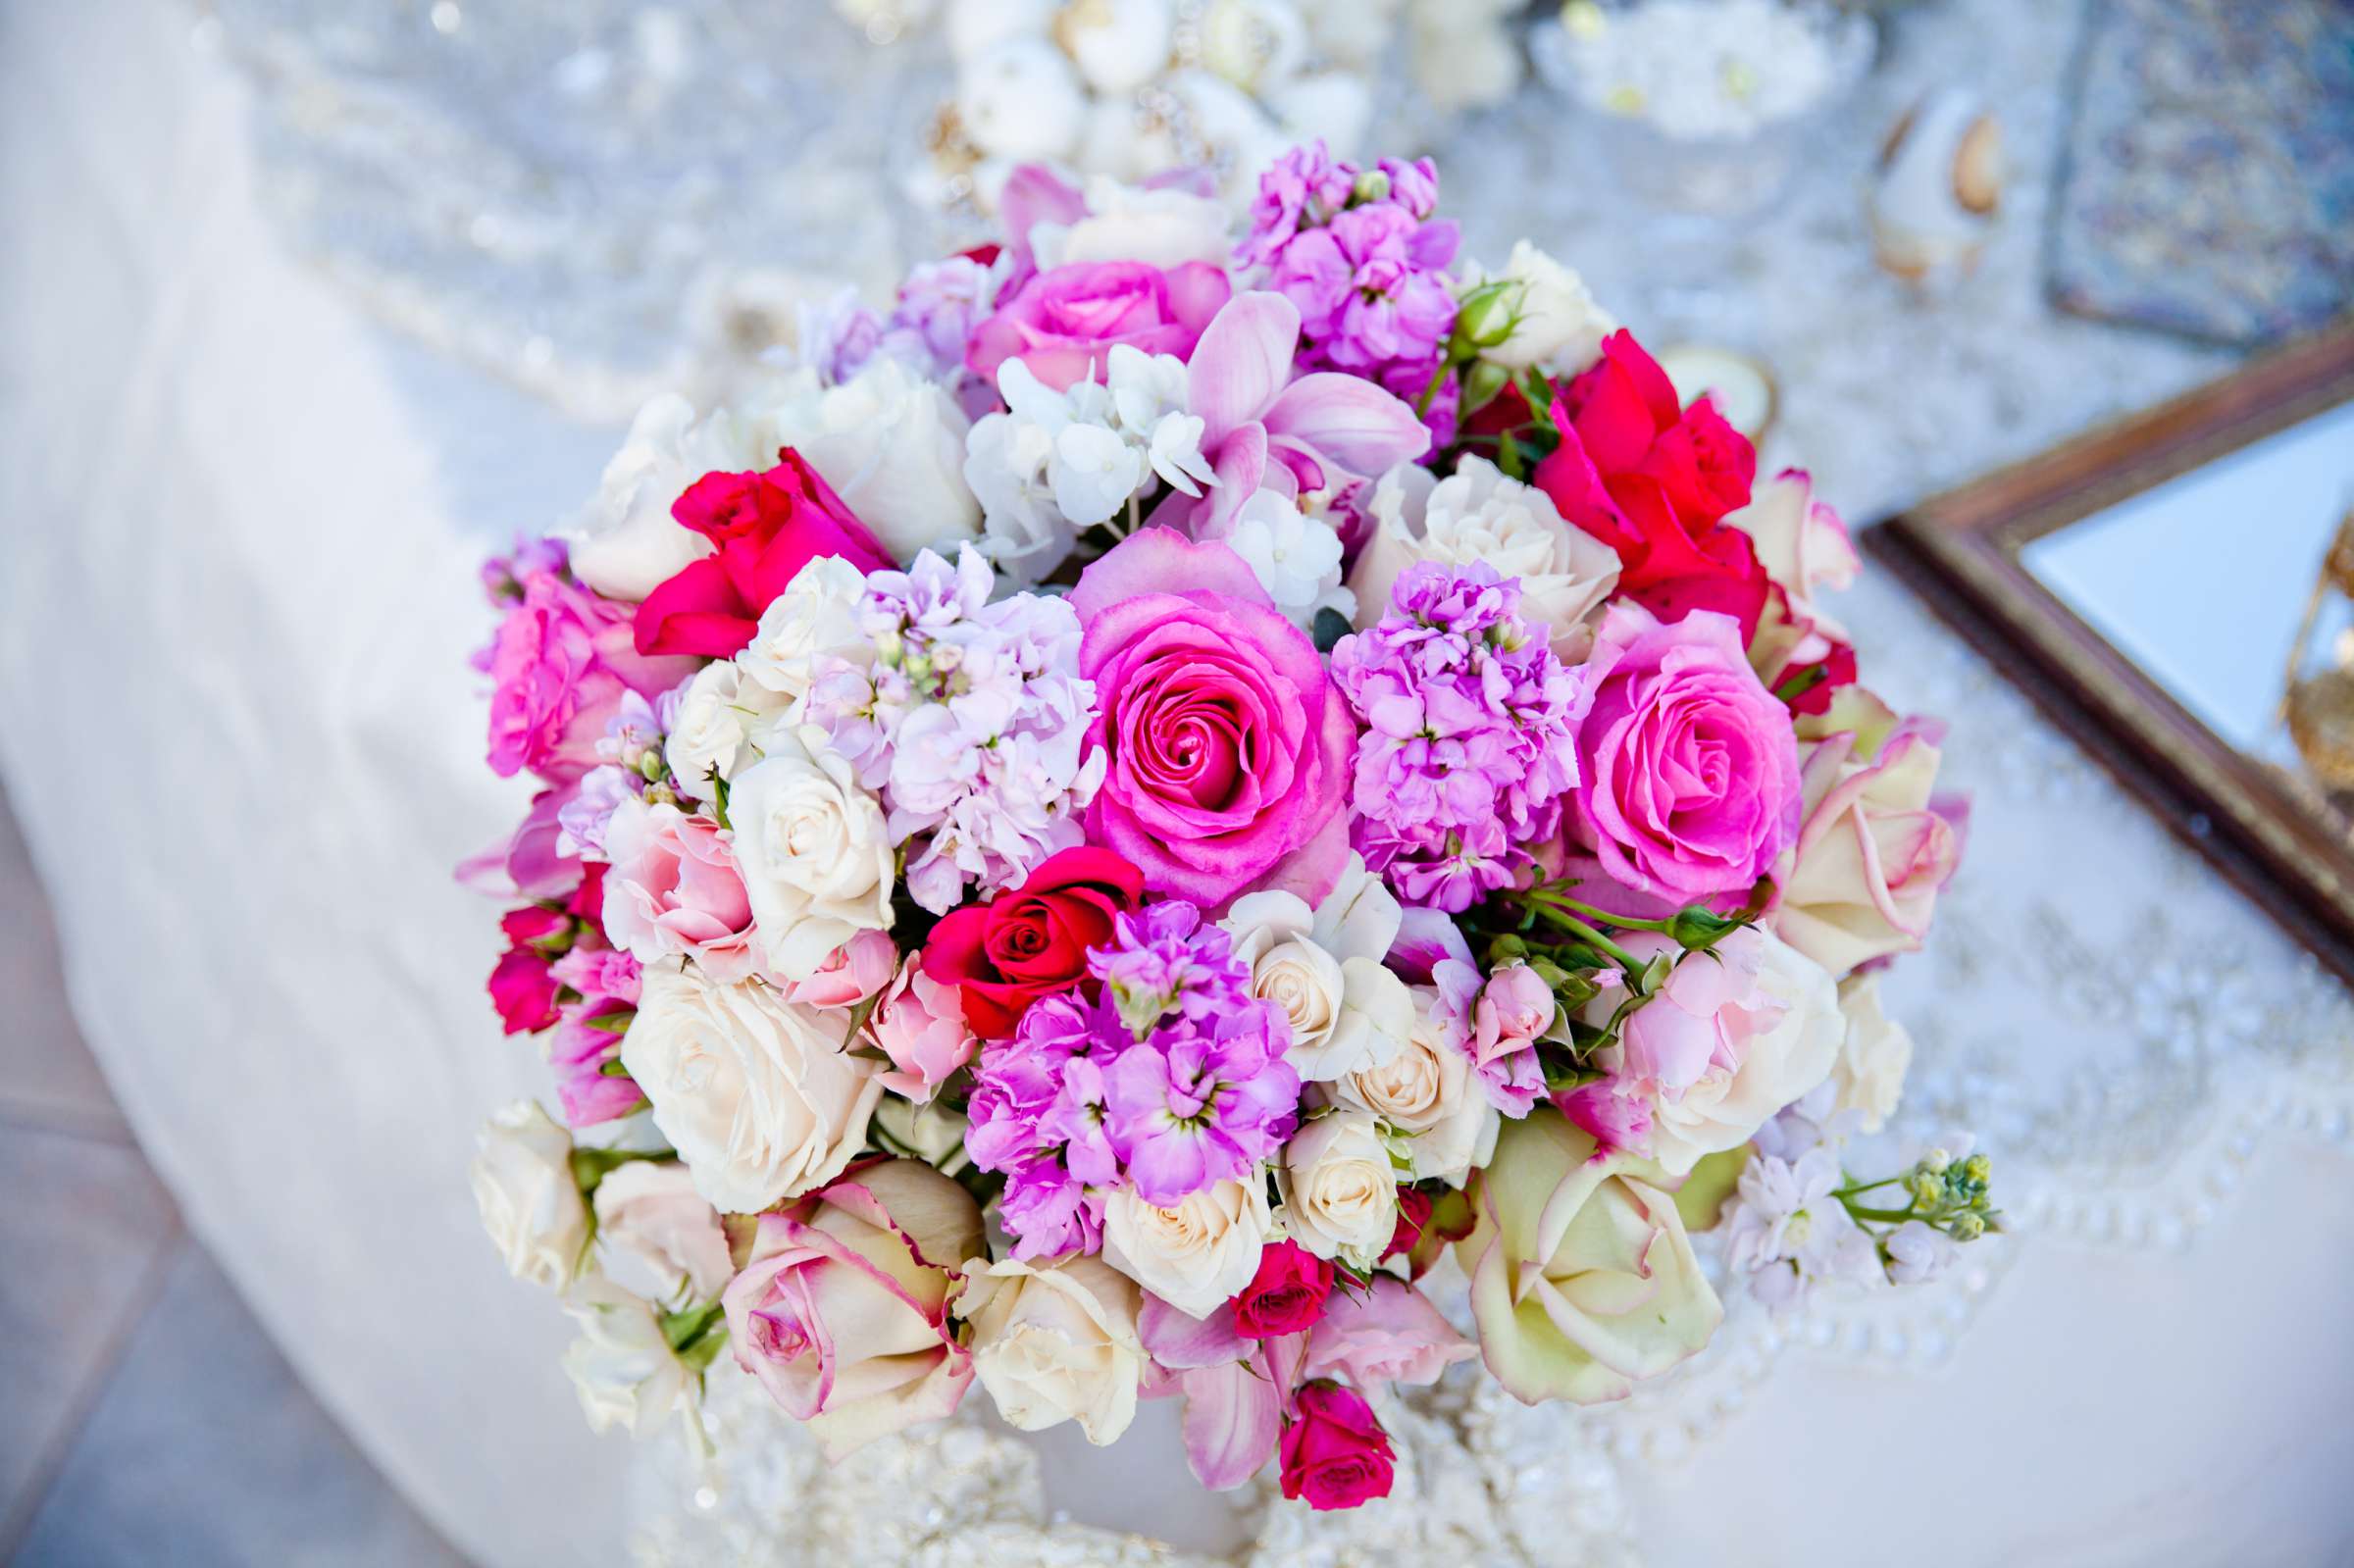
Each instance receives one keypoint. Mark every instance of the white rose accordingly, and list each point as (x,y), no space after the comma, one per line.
(756,1094)
(1426,1091)
(1558,325)
(1340,1193)
(802,634)
(625,544)
(1195,1255)
(1324,969)
(622,1366)
(813,849)
(706,737)
(1055,1343)
(1725,1107)
(1477,514)
(530,1204)
(892,445)
(650,1211)
(1877,1053)
(1165,228)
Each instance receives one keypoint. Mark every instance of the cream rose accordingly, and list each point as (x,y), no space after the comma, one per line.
(1583,1282)
(1163,227)
(812,848)
(623,1367)
(625,544)
(1055,1343)
(530,1202)
(1877,1053)
(1558,325)
(1195,1255)
(802,634)
(892,445)
(755,1094)
(709,732)
(1323,969)
(1784,1059)
(650,1210)
(1477,514)
(1340,1192)
(1872,852)
(842,1309)
(1426,1091)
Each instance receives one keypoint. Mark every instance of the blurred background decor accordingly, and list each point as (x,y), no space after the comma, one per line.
(2208,169)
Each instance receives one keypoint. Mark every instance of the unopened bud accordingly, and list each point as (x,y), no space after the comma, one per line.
(1978,1168)
(1371,185)
(1485,316)
(1483,382)
(1695,927)
(1937,1160)
(1967,1227)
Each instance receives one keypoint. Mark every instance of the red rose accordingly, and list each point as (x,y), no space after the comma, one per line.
(1654,480)
(1334,1453)
(765,528)
(1032,941)
(1413,1213)
(1286,1296)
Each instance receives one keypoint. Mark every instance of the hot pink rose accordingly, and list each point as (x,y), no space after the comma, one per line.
(1228,747)
(1062,323)
(559,663)
(850,974)
(673,889)
(842,1311)
(1286,1296)
(1388,1333)
(1688,767)
(919,1024)
(1705,1016)
(1334,1454)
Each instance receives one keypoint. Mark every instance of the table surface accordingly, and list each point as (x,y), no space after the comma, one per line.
(241,523)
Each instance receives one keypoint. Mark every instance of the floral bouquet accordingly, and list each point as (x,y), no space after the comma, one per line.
(1119,814)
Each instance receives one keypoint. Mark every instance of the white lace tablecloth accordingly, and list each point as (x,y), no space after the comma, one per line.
(235,591)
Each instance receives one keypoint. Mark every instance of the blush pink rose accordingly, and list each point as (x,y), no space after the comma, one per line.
(673,889)
(1388,1332)
(1227,745)
(850,974)
(558,665)
(1688,772)
(1334,1454)
(919,1024)
(1876,848)
(1062,322)
(842,1311)
(1705,1016)
(1514,1008)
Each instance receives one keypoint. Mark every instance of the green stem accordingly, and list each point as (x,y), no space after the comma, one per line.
(1623,922)
(1578,928)
(1438,379)
(1890,1216)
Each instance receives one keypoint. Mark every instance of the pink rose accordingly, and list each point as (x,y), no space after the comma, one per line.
(559,663)
(1062,323)
(1688,767)
(850,974)
(1705,1016)
(673,889)
(842,1310)
(1228,747)
(585,1043)
(1334,1454)
(1876,849)
(1618,1121)
(1286,1296)
(919,1024)
(1515,1007)
(1389,1334)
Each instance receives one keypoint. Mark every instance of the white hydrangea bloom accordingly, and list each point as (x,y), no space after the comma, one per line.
(1297,558)
(1056,463)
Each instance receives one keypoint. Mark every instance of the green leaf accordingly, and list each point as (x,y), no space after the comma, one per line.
(611,1023)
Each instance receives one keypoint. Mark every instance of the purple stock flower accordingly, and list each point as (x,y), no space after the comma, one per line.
(1304,187)
(1171,1079)
(1371,287)
(1470,724)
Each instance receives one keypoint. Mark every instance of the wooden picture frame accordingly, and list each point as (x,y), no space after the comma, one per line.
(1961,552)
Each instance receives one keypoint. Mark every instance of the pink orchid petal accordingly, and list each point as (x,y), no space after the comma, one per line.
(1241,363)
(1183,1342)
(1233,1417)
(1352,421)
